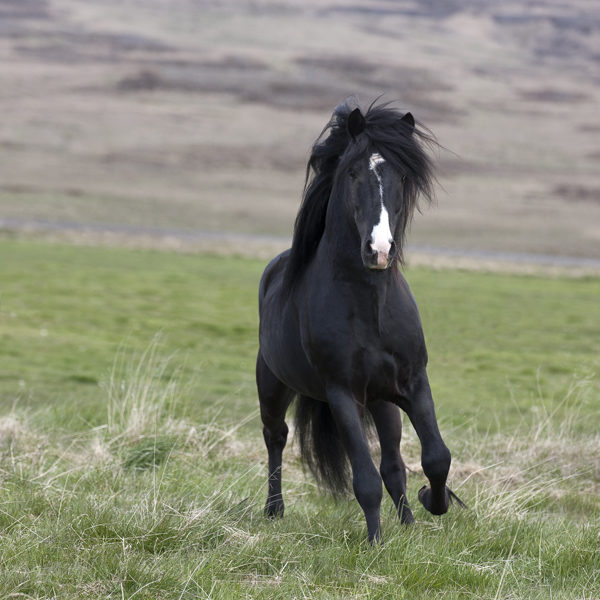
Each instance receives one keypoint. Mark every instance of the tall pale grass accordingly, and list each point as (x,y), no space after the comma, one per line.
(142,394)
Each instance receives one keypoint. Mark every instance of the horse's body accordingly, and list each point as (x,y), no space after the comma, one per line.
(350,330)
(339,327)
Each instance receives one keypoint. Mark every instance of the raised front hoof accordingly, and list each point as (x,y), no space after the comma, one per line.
(274,509)
(438,508)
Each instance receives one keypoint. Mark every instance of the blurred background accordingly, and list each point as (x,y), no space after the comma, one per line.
(188,123)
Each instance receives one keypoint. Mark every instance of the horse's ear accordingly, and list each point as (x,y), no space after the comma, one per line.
(356,123)
(409,120)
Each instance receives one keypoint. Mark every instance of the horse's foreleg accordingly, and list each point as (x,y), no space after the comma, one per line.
(389,429)
(435,456)
(275,397)
(366,481)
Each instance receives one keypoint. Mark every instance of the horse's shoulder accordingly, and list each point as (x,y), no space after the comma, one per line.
(274,269)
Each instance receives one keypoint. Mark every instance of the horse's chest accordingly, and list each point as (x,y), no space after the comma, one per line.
(373,355)
(383,374)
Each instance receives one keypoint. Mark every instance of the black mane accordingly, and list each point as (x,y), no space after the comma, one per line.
(385,132)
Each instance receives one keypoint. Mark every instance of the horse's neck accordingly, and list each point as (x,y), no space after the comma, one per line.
(340,254)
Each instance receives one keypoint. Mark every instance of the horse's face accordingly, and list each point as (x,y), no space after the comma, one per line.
(374,197)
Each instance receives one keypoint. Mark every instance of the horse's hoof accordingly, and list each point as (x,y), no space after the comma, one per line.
(375,537)
(424,496)
(425,499)
(274,510)
(406,516)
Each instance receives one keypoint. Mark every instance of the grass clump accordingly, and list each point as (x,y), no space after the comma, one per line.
(141,395)
(141,400)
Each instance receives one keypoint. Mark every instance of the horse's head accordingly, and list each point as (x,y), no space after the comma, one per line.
(366,173)
(376,195)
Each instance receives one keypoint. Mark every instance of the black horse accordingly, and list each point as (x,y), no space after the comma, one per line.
(339,327)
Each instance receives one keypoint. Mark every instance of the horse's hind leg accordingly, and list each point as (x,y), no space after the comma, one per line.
(389,429)
(435,456)
(275,397)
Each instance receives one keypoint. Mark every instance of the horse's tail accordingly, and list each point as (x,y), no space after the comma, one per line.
(320,445)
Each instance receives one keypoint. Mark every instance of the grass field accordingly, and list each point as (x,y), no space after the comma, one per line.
(132,464)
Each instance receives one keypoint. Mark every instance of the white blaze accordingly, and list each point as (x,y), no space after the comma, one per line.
(381,235)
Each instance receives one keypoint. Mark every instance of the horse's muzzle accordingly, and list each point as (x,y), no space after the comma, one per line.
(377,259)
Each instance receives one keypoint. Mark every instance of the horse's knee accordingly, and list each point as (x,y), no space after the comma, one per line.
(436,463)
(276,438)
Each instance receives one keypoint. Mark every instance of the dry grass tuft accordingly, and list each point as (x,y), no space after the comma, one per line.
(543,461)
(141,396)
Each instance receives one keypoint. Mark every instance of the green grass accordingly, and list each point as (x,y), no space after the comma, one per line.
(500,345)
(132,464)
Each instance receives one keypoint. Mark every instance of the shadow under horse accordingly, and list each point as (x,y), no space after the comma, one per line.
(339,327)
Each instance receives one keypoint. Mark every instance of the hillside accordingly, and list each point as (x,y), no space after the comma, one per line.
(188,116)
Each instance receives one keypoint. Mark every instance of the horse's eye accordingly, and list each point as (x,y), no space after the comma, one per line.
(352,174)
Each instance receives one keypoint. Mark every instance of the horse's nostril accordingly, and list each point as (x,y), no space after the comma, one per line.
(392,251)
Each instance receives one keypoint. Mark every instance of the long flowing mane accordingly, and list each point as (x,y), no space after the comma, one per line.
(385,132)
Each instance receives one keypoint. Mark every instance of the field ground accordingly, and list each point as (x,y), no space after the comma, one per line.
(132,464)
